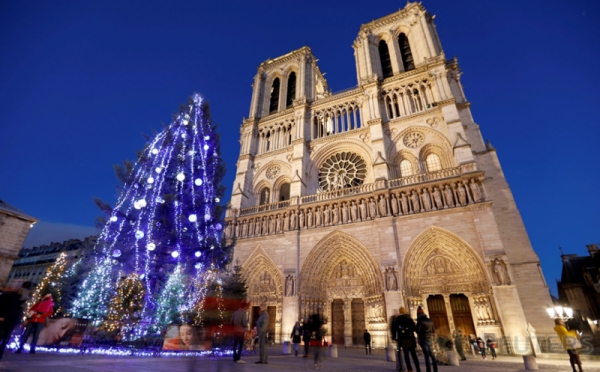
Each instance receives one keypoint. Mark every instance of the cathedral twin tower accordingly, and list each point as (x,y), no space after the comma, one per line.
(354,204)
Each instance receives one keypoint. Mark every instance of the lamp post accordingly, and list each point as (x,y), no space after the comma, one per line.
(560,312)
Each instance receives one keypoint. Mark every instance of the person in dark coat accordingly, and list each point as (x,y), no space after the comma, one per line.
(458,341)
(403,329)
(10,316)
(296,337)
(316,322)
(306,335)
(367,338)
(426,332)
(491,345)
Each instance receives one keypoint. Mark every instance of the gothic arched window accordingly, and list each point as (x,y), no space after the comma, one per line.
(384,57)
(284,192)
(265,194)
(405,53)
(274,103)
(406,168)
(433,163)
(291,90)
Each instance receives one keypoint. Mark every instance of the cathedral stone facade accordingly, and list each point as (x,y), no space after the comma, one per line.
(354,204)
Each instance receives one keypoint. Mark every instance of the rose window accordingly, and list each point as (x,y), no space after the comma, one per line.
(342,170)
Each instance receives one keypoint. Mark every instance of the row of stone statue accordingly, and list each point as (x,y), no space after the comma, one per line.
(413,201)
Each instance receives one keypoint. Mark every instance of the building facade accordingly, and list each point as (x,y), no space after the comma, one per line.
(354,204)
(14,227)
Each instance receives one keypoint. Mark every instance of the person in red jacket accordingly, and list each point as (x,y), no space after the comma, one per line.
(36,321)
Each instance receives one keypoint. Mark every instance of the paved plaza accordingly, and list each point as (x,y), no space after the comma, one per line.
(351,360)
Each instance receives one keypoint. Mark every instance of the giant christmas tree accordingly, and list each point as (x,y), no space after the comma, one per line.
(166,225)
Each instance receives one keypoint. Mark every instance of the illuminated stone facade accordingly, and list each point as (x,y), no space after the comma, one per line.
(381,196)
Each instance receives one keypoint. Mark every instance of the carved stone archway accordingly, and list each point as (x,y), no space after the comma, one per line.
(440,263)
(340,267)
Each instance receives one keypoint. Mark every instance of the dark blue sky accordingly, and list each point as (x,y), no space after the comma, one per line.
(80,81)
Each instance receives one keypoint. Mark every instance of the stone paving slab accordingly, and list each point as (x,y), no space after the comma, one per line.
(349,360)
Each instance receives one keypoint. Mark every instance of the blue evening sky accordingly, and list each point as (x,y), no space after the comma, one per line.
(80,81)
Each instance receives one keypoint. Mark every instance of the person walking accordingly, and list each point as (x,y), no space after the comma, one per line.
(239,321)
(263,325)
(306,336)
(492,346)
(482,347)
(37,319)
(10,315)
(296,337)
(316,323)
(367,338)
(426,332)
(570,341)
(458,341)
(403,329)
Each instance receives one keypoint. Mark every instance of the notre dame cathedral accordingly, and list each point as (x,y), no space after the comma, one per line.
(354,204)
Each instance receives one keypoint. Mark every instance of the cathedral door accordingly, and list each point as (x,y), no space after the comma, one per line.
(358,321)
(272,311)
(461,312)
(438,314)
(337,322)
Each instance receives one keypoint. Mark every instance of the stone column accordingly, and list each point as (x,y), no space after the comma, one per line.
(291,316)
(449,313)
(348,322)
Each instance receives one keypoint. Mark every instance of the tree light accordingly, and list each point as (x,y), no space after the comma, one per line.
(174,254)
(198,254)
(198,182)
(139,234)
(155,151)
(180,177)
(150,180)
(113,218)
(193,218)
(150,246)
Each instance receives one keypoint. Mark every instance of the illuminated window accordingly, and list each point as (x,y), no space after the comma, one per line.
(406,168)
(433,163)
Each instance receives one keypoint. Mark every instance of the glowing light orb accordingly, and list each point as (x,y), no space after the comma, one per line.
(142,276)
(174,254)
(150,246)
(116,253)
(197,253)
(185,122)
(212,247)
(158,169)
(217,200)
(139,204)
(139,234)
(113,219)
(198,182)
(218,226)
(180,177)
(207,137)
(155,151)
(150,180)
(198,265)
(183,135)
(207,217)
(193,218)
(205,147)
(115,262)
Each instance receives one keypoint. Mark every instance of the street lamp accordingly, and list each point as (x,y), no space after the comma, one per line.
(559,312)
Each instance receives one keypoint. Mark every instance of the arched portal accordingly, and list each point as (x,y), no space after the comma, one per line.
(341,281)
(265,287)
(443,274)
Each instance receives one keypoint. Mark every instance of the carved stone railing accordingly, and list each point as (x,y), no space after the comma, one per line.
(451,189)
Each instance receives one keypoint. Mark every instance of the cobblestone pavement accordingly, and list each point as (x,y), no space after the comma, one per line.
(349,360)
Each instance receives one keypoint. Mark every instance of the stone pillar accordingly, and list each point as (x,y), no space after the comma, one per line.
(348,322)
(291,315)
(512,318)
(449,313)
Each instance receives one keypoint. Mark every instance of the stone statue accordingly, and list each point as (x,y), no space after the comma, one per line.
(309,218)
(286,222)
(237,229)
(426,200)
(392,283)
(354,211)
(500,274)
(301,220)
(271,225)
(318,217)
(414,197)
(475,192)
(250,227)
(336,215)
(394,205)
(293,216)
(372,208)
(257,227)
(244,229)
(228,230)
(382,206)
(437,197)
(363,210)
(449,196)
(265,226)
(404,202)
(462,194)
(344,213)
(326,215)
(289,286)
(278,223)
